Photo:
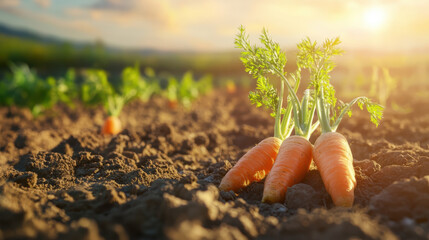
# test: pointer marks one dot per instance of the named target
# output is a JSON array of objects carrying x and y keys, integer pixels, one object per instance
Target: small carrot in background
[
  {"x": 96, "y": 89},
  {"x": 172, "y": 104},
  {"x": 332, "y": 153},
  {"x": 112, "y": 125},
  {"x": 230, "y": 87}
]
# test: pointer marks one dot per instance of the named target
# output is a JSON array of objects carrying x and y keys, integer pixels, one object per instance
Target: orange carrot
[
  {"x": 253, "y": 166},
  {"x": 334, "y": 161},
  {"x": 230, "y": 87},
  {"x": 291, "y": 165},
  {"x": 111, "y": 126},
  {"x": 172, "y": 104}
]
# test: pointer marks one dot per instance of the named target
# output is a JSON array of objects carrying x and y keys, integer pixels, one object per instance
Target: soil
[{"x": 158, "y": 178}]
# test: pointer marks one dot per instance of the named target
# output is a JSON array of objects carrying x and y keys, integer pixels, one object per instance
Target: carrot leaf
[
  {"x": 265, "y": 95},
  {"x": 375, "y": 110},
  {"x": 135, "y": 86},
  {"x": 269, "y": 60},
  {"x": 260, "y": 62},
  {"x": 318, "y": 60}
]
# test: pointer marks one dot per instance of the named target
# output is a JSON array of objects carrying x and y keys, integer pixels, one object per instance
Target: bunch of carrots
[{"x": 283, "y": 160}]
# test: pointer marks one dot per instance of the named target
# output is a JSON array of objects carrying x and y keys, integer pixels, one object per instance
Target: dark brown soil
[{"x": 157, "y": 179}]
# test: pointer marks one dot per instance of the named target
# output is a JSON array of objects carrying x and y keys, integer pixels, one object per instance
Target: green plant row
[{"x": 22, "y": 87}]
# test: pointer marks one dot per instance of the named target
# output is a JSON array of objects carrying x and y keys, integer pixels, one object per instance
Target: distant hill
[
  {"x": 30, "y": 35},
  {"x": 52, "y": 54},
  {"x": 52, "y": 40}
]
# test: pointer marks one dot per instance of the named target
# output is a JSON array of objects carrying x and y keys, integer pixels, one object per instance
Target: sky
[{"x": 210, "y": 25}]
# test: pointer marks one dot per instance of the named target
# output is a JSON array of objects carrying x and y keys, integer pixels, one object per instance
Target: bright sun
[{"x": 375, "y": 18}]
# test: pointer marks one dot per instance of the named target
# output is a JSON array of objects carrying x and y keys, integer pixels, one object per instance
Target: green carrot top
[
  {"x": 267, "y": 61},
  {"x": 318, "y": 61}
]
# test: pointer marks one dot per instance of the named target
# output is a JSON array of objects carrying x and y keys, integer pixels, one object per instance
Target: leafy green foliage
[
  {"x": 5, "y": 96},
  {"x": 24, "y": 88},
  {"x": 205, "y": 84},
  {"x": 269, "y": 60},
  {"x": 375, "y": 110},
  {"x": 133, "y": 84},
  {"x": 95, "y": 89},
  {"x": 265, "y": 95},
  {"x": 318, "y": 60},
  {"x": 188, "y": 89},
  {"x": 382, "y": 87},
  {"x": 66, "y": 89},
  {"x": 260, "y": 61},
  {"x": 172, "y": 89}
]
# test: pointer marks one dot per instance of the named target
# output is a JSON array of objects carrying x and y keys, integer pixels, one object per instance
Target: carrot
[
  {"x": 257, "y": 163},
  {"x": 112, "y": 125},
  {"x": 296, "y": 152},
  {"x": 333, "y": 156},
  {"x": 295, "y": 156},
  {"x": 332, "y": 153},
  {"x": 292, "y": 163},
  {"x": 172, "y": 104},
  {"x": 253, "y": 166},
  {"x": 230, "y": 87},
  {"x": 334, "y": 160}
]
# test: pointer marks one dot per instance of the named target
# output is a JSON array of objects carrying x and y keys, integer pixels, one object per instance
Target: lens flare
[{"x": 375, "y": 18}]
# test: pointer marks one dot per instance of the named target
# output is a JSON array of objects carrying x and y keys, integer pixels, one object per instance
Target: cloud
[
  {"x": 43, "y": 3},
  {"x": 116, "y": 5},
  {"x": 9, "y": 3},
  {"x": 212, "y": 24},
  {"x": 160, "y": 12}
]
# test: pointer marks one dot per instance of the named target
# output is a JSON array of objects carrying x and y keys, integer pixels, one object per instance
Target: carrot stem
[
  {"x": 277, "y": 128},
  {"x": 344, "y": 111},
  {"x": 286, "y": 128},
  {"x": 295, "y": 99},
  {"x": 322, "y": 112}
]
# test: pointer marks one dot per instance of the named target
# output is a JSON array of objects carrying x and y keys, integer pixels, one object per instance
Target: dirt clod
[
  {"x": 302, "y": 196},
  {"x": 407, "y": 198}
]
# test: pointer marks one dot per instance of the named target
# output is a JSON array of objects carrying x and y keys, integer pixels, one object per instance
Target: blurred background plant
[
  {"x": 22, "y": 87},
  {"x": 66, "y": 41},
  {"x": 187, "y": 89},
  {"x": 382, "y": 86}
]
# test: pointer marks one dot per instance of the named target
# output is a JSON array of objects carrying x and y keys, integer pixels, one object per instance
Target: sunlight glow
[{"x": 375, "y": 18}]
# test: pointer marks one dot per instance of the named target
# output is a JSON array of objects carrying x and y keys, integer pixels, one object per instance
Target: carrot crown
[
  {"x": 317, "y": 59},
  {"x": 269, "y": 60}
]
